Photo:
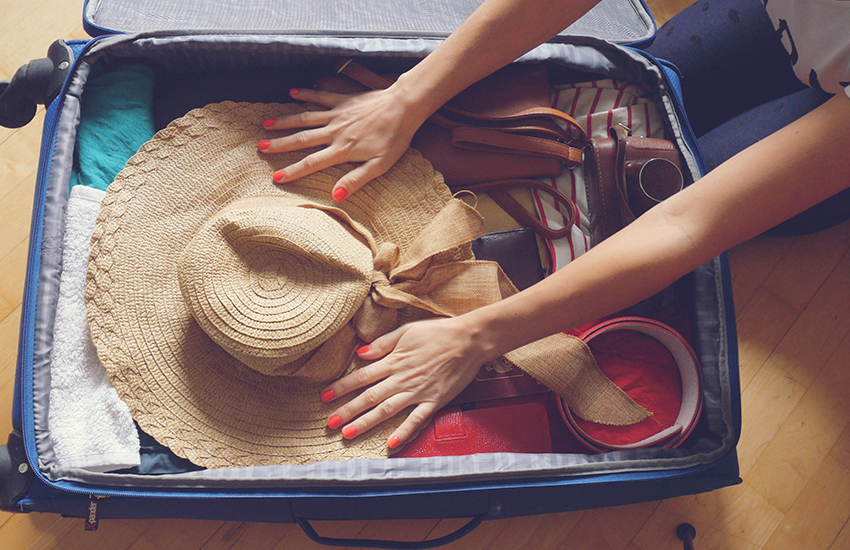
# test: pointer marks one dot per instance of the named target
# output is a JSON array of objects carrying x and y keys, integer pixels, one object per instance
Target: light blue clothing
[{"x": 116, "y": 118}]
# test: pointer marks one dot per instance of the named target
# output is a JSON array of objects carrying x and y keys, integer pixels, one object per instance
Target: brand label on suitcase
[{"x": 93, "y": 517}]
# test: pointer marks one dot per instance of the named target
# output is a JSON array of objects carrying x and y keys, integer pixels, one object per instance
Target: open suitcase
[{"x": 217, "y": 40}]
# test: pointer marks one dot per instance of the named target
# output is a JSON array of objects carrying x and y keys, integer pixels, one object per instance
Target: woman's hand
[
  {"x": 373, "y": 128},
  {"x": 376, "y": 127},
  {"x": 424, "y": 364}
]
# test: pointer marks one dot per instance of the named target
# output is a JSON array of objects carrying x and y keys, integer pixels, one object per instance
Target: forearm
[
  {"x": 769, "y": 182},
  {"x": 497, "y": 33}
]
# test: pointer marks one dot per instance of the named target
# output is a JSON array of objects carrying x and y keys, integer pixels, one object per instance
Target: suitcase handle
[
  {"x": 37, "y": 82},
  {"x": 399, "y": 545}
]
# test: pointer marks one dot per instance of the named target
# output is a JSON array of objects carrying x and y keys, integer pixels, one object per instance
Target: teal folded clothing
[{"x": 116, "y": 118}]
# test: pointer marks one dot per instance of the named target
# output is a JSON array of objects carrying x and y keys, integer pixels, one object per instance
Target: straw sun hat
[{"x": 221, "y": 304}]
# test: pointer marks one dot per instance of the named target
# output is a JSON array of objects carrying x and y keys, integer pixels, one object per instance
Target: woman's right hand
[
  {"x": 421, "y": 365},
  {"x": 372, "y": 128}
]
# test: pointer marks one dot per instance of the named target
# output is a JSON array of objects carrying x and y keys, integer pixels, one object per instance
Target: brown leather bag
[
  {"x": 496, "y": 134},
  {"x": 625, "y": 176},
  {"x": 500, "y": 128}
]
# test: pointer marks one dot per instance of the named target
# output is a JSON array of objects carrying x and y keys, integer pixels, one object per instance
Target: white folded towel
[{"x": 90, "y": 426}]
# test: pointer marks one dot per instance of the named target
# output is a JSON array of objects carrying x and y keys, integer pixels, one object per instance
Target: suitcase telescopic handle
[
  {"x": 396, "y": 545},
  {"x": 36, "y": 83}
]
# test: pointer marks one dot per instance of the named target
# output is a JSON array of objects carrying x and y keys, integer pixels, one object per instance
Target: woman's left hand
[
  {"x": 373, "y": 129},
  {"x": 423, "y": 364}
]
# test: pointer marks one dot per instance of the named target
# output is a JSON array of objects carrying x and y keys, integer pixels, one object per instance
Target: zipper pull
[{"x": 93, "y": 516}]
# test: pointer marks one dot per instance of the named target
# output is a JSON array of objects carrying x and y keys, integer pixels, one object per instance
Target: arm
[
  {"x": 784, "y": 174},
  {"x": 427, "y": 364},
  {"x": 376, "y": 128}
]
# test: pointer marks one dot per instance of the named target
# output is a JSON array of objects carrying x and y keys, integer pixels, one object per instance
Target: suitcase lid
[{"x": 618, "y": 21}]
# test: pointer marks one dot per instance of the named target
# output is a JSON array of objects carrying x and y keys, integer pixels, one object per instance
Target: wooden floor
[{"x": 793, "y": 308}]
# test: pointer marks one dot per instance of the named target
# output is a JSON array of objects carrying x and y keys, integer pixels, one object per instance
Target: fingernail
[
  {"x": 268, "y": 122},
  {"x": 349, "y": 432},
  {"x": 334, "y": 422},
  {"x": 263, "y": 145},
  {"x": 364, "y": 349},
  {"x": 294, "y": 92},
  {"x": 394, "y": 441},
  {"x": 277, "y": 176},
  {"x": 339, "y": 194},
  {"x": 327, "y": 395}
]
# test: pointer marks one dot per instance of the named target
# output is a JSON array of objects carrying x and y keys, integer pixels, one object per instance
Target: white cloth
[
  {"x": 816, "y": 35},
  {"x": 91, "y": 428}
]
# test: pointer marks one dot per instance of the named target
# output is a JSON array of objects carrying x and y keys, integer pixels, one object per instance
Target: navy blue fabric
[
  {"x": 739, "y": 132},
  {"x": 739, "y": 87},
  {"x": 156, "y": 458},
  {"x": 730, "y": 58}
]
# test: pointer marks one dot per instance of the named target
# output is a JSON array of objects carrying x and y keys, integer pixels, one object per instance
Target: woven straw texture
[{"x": 182, "y": 388}]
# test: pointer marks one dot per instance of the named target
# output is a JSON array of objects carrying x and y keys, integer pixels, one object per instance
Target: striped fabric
[{"x": 597, "y": 106}]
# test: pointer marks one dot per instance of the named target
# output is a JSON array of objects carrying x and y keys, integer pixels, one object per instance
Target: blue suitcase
[{"x": 482, "y": 487}]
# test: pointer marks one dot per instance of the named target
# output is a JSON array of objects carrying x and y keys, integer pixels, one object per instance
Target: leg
[
  {"x": 742, "y": 131},
  {"x": 730, "y": 57},
  {"x": 747, "y": 128},
  {"x": 739, "y": 87}
]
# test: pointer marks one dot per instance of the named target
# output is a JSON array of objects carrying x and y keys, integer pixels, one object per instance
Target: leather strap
[
  {"x": 535, "y": 113},
  {"x": 486, "y": 139},
  {"x": 536, "y": 126},
  {"x": 619, "y": 135},
  {"x": 364, "y": 76},
  {"x": 497, "y": 190}
]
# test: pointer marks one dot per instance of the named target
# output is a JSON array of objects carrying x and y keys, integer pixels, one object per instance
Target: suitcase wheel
[{"x": 16, "y": 476}]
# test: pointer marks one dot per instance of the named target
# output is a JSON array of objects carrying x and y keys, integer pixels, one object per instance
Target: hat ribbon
[{"x": 426, "y": 277}]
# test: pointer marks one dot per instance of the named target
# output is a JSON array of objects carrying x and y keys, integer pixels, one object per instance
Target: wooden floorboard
[{"x": 793, "y": 315}]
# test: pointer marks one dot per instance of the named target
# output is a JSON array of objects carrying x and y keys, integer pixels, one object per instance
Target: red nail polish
[
  {"x": 349, "y": 432},
  {"x": 327, "y": 395},
  {"x": 394, "y": 441},
  {"x": 268, "y": 122},
  {"x": 277, "y": 176},
  {"x": 263, "y": 145},
  {"x": 294, "y": 92},
  {"x": 334, "y": 422},
  {"x": 364, "y": 349},
  {"x": 339, "y": 194}
]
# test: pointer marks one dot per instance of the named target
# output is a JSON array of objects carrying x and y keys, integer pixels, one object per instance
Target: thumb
[{"x": 383, "y": 345}]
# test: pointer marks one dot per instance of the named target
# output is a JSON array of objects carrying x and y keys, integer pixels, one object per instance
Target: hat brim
[{"x": 182, "y": 388}]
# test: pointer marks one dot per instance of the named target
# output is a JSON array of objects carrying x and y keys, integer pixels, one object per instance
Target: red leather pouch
[{"x": 519, "y": 425}]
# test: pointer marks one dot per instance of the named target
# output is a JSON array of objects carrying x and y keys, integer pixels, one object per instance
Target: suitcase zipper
[{"x": 94, "y": 501}]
